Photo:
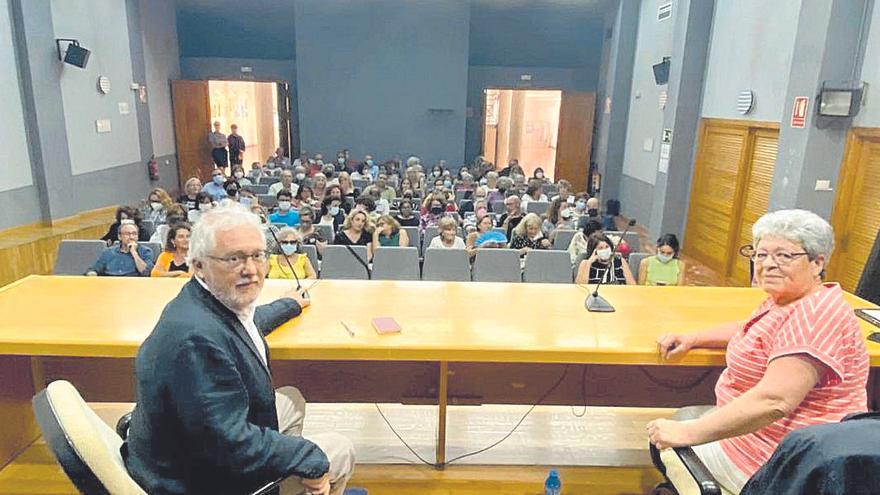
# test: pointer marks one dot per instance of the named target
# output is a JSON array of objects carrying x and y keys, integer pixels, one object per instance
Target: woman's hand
[
  {"x": 593, "y": 257},
  {"x": 675, "y": 346},
  {"x": 666, "y": 433},
  {"x": 545, "y": 243}
]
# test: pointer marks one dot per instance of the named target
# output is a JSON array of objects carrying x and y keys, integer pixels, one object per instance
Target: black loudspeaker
[
  {"x": 77, "y": 55},
  {"x": 869, "y": 284}
]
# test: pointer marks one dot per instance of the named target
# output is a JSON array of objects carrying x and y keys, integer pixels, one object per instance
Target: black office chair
[{"x": 685, "y": 473}]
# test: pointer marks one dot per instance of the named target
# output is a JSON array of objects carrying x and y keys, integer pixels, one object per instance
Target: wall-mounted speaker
[{"x": 74, "y": 54}]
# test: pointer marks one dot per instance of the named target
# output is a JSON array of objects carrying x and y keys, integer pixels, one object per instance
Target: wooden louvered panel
[
  {"x": 714, "y": 193},
  {"x": 762, "y": 162}
]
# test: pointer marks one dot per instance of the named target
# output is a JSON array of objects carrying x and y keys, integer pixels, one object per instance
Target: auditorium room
[{"x": 439, "y": 247}]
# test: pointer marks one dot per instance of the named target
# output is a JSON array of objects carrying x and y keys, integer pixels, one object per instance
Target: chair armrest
[
  {"x": 695, "y": 467},
  {"x": 122, "y": 425}
]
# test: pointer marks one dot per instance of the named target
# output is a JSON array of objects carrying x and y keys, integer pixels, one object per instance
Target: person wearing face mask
[
  {"x": 238, "y": 175},
  {"x": 587, "y": 209},
  {"x": 256, "y": 171},
  {"x": 332, "y": 213},
  {"x": 285, "y": 213},
  {"x": 539, "y": 175},
  {"x": 601, "y": 265},
  {"x": 406, "y": 217},
  {"x": 447, "y": 238},
  {"x": 339, "y": 165},
  {"x": 664, "y": 268},
  {"x": 558, "y": 216},
  {"x": 246, "y": 197},
  {"x": 308, "y": 234},
  {"x": 436, "y": 210},
  {"x": 215, "y": 188},
  {"x": 192, "y": 187},
  {"x": 156, "y": 207},
  {"x": 291, "y": 262},
  {"x": 527, "y": 235},
  {"x": 203, "y": 204}
]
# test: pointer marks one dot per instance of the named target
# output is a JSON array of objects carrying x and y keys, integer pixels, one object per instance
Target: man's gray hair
[
  {"x": 799, "y": 226},
  {"x": 413, "y": 160},
  {"x": 504, "y": 183},
  {"x": 228, "y": 215},
  {"x": 492, "y": 175}
]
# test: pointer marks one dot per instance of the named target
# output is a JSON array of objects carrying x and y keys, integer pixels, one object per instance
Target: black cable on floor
[
  {"x": 675, "y": 386},
  {"x": 583, "y": 393},
  {"x": 495, "y": 444}
]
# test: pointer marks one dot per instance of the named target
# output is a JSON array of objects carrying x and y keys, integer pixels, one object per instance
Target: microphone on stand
[
  {"x": 286, "y": 257},
  {"x": 594, "y": 302}
]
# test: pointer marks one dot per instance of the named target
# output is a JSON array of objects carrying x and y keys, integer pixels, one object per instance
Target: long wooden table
[{"x": 464, "y": 343}]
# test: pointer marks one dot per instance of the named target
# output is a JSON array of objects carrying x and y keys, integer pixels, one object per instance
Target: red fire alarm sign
[{"x": 799, "y": 112}]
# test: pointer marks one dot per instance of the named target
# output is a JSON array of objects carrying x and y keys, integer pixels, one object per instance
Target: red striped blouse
[{"x": 821, "y": 325}]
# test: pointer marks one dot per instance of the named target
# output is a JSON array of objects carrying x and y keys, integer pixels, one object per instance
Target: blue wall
[{"x": 383, "y": 76}]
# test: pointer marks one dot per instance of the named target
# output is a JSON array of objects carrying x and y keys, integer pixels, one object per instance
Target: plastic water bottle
[{"x": 553, "y": 485}]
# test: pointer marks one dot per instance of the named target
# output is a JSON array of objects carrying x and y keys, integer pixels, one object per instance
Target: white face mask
[
  {"x": 284, "y": 205},
  {"x": 192, "y": 215},
  {"x": 604, "y": 254},
  {"x": 664, "y": 258},
  {"x": 239, "y": 175},
  {"x": 300, "y": 176},
  {"x": 206, "y": 206},
  {"x": 566, "y": 214},
  {"x": 155, "y": 205},
  {"x": 539, "y": 175}
]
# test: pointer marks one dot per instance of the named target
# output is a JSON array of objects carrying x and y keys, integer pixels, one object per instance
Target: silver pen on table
[{"x": 347, "y": 329}]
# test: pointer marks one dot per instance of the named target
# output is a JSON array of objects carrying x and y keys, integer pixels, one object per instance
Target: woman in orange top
[{"x": 172, "y": 261}]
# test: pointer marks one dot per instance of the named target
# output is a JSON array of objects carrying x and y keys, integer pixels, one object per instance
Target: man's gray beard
[{"x": 229, "y": 300}]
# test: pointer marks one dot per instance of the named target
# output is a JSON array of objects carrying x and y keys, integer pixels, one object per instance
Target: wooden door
[
  {"x": 575, "y": 138},
  {"x": 192, "y": 123},
  {"x": 856, "y": 215},
  {"x": 733, "y": 174},
  {"x": 756, "y": 198}
]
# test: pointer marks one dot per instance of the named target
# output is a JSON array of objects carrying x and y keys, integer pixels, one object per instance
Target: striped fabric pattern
[{"x": 821, "y": 325}]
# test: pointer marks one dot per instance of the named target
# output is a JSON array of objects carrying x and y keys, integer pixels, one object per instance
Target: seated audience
[
  {"x": 519, "y": 183},
  {"x": 256, "y": 172},
  {"x": 509, "y": 220},
  {"x": 389, "y": 234},
  {"x": 319, "y": 186},
  {"x": 591, "y": 212},
  {"x": 406, "y": 217},
  {"x": 126, "y": 259},
  {"x": 602, "y": 265},
  {"x": 558, "y": 216},
  {"x": 361, "y": 172},
  {"x": 215, "y": 188},
  {"x": 416, "y": 179},
  {"x": 345, "y": 186},
  {"x": 436, "y": 209},
  {"x": 292, "y": 262},
  {"x": 125, "y": 214},
  {"x": 466, "y": 183},
  {"x": 203, "y": 204},
  {"x": 799, "y": 359},
  {"x": 539, "y": 175},
  {"x": 504, "y": 185},
  {"x": 478, "y": 238},
  {"x": 664, "y": 268},
  {"x": 176, "y": 214},
  {"x": 447, "y": 237},
  {"x": 172, "y": 262},
  {"x": 332, "y": 213},
  {"x": 285, "y": 213},
  {"x": 381, "y": 188},
  {"x": 232, "y": 189},
  {"x": 527, "y": 235},
  {"x": 238, "y": 175},
  {"x": 490, "y": 180},
  {"x": 564, "y": 191},
  {"x": 156, "y": 208},
  {"x": 304, "y": 197},
  {"x": 578, "y": 244},
  {"x": 534, "y": 192},
  {"x": 406, "y": 187},
  {"x": 246, "y": 197},
  {"x": 308, "y": 234},
  {"x": 192, "y": 187},
  {"x": 355, "y": 232},
  {"x": 285, "y": 184}
]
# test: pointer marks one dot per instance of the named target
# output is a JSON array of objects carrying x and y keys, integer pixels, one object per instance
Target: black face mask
[
  {"x": 436, "y": 210},
  {"x": 593, "y": 212}
]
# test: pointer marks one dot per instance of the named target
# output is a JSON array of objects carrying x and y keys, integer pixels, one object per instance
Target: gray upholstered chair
[
  {"x": 547, "y": 267},
  {"x": 339, "y": 263},
  {"x": 497, "y": 265},
  {"x": 396, "y": 263},
  {"x": 76, "y": 256},
  {"x": 450, "y": 265}
]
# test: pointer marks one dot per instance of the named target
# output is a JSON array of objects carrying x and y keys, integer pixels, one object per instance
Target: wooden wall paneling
[{"x": 856, "y": 214}]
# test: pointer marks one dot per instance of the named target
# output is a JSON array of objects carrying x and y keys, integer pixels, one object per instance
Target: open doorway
[
  {"x": 522, "y": 124},
  {"x": 253, "y": 107}
]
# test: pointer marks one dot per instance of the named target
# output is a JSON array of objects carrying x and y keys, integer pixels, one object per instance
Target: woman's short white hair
[
  {"x": 229, "y": 214},
  {"x": 413, "y": 160},
  {"x": 803, "y": 227},
  {"x": 530, "y": 219},
  {"x": 492, "y": 175}
]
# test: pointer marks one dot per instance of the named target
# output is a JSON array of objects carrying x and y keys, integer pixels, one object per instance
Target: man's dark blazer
[{"x": 205, "y": 420}]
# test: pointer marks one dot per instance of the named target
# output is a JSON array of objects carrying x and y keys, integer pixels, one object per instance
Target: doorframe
[
  {"x": 293, "y": 137},
  {"x": 507, "y": 88}
]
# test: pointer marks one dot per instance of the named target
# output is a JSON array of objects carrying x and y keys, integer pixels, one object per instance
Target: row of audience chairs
[{"x": 76, "y": 256}]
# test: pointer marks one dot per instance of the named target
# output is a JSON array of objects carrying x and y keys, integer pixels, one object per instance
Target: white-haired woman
[
  {"x": 291, "y": 262},
  {"x": 799, "y": 360},
  {"x": 527, "y": 235}
]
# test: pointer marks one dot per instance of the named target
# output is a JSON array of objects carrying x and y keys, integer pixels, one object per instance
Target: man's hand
[
  {"x": 298, "y": 296},
  {"x": 133, "y": 247},
  {"x": 320, "y": 486}
]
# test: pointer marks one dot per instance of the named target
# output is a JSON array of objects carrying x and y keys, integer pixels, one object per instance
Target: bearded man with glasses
[{"x": 208, "y": 419}]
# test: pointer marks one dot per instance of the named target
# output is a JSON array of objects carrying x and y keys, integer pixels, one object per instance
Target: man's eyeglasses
[
  {"x": 781, "y": 258},
  {"x": 236, "y": 260}
]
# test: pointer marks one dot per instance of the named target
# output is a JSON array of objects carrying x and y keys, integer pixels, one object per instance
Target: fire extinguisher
[
  {"x": 153, "y": 168},
  {"x": 595, "y": 185}
]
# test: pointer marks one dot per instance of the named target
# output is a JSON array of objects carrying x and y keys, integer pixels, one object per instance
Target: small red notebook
[{"x": 385, "y": 325}]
